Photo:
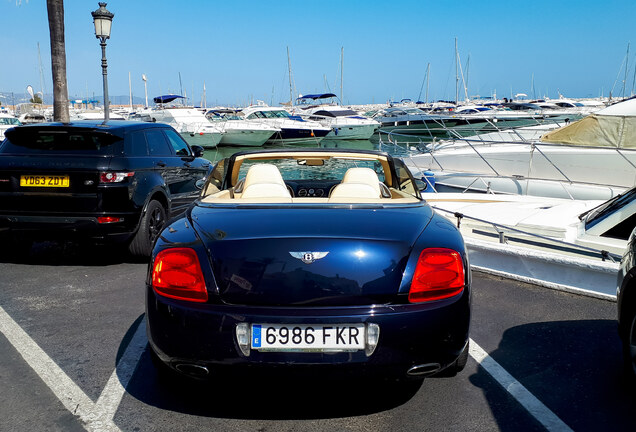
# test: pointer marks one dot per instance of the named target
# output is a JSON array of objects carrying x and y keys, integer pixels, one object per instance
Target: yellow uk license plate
[{"x": 44, "y": 181}]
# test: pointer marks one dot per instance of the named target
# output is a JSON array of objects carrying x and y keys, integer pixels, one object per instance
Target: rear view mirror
[{"x": 311, "y": 162}]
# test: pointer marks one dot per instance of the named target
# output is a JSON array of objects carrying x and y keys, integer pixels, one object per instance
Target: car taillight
[
  {"x": 114, "y": 177},
  {"x": 108, "y": 219},
  {"x": 177, "y": 274},
  {"x": 439, "y": 274}
]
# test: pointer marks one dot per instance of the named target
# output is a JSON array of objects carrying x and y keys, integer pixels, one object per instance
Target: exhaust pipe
[
  {"x": 192, "y": 369},
  {"x": 424, "y": 369}
]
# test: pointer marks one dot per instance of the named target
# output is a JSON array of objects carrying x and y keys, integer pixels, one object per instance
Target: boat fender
[{"x": 429, "y": 178}]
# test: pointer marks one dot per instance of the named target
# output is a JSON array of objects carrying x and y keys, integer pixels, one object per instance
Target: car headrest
[
  {"x": 363, "y": 175},
  {"x": 263, "y": 173},
  {"x": 354, "y": 190}
]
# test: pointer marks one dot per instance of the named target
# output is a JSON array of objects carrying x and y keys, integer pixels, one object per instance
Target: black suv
[{"x": 118, "y": 181}]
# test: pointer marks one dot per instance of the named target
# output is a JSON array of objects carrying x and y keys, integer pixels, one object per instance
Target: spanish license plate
[
  {"x": 44, "y": 181},
  {"x": 321, "y": 337}
]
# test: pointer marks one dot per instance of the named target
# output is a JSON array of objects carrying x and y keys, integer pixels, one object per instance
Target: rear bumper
[
  {"x": 52, "y": 226},
  {"x": 205, "y": 335}
]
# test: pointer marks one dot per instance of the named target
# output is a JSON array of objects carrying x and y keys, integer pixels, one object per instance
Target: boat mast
[
  {"x": 419, "y": 96},
  {"x": 143, "y": 77},
  {"x": 341, "y": 72},
  {"x": 181, "y": 89},
  {"x": 626, "y": 68},
  {"x": 532, "y": 86},
  {"x": 130, "y": 91},
  {"x": 204, "y": 102},
  {"x": 456, "y": 73},
  {"x": 466, "y": 81},
  {"x": 291, "y": 90}
]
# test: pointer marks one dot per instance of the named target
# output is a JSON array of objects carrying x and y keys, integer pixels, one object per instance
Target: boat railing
[
  {"x": 501, "y": 231},
  {"x": 474, "y": 129}
]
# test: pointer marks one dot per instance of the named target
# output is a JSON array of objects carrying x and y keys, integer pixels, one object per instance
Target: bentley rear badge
[{"x": 308, "y": 257}]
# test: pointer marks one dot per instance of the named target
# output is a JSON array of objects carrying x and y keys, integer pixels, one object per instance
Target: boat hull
[
  {"x": 205, "y": 140},
  {"x": 298, "y": 136},
  {"x": 245, "y": 137},
  {"x": 351, "y": 132}
]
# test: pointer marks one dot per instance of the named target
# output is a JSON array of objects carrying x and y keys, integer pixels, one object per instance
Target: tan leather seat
[
  {"x": 345, "y": 191},
  {"x": 264, "y": 181},
  {"x": 358, "y": 185}
]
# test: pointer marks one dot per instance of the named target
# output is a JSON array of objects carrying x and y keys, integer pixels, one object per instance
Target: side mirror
[
  {"x": 197, "y": 150},
  {"x": 199, "y": 184}
]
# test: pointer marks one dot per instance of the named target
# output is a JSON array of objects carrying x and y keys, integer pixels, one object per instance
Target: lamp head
[{"x": 103, "y": 20}]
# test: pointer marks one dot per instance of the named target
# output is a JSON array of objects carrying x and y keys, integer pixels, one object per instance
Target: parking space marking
[
  {"x": 111, "y": 396},
  {"x": 99, "y": 416},
  {"x": 95, "y": 416},
  {"x": 533, "y": 405}
]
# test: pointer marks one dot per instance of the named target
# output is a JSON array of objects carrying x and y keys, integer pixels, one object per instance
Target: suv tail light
[
  {"x": 439, "y": 274},
  {"x": 114, "y": 177},
  {"x": 177, "y": 274}
]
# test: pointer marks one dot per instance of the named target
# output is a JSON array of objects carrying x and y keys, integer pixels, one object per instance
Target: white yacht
[
  {"x": 95, "y": 115},
  {"x": 190, "y": 122},
  {"x": 593, "y": 158},
  {"x": 344, "y": 123},
  {"x": 293, "y": 129},
  {"x": 237, "y": 131},
  {"x": 565, "y": 244},
  {"x": 7, "y": 121},
  {"x": 414, "y": 121}
]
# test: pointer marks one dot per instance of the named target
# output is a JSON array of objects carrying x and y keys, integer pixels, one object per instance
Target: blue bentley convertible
[{"x": 320, "y": 258}]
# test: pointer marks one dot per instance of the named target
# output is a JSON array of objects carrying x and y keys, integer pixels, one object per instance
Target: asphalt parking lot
[{"x": 73, "y": 357}]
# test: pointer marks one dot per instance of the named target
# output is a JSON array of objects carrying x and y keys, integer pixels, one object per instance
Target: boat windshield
[
  {"x": 4, "y": 121},
  {"x": 608, "y": 208},
  {"x": 269, "y": 114}
]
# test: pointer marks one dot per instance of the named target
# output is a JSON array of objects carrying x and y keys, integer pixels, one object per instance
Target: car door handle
[
  {"x": 187, "y": 164},
  {"x": 161, "y": 164}
]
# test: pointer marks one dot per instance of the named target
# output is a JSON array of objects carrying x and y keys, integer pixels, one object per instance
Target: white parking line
[
  {"x": 112, "y": 394},
  {"x": 95, "y": 416},
  {"x": 534, "y": 406},
  {"x": 99, "y": 416}
]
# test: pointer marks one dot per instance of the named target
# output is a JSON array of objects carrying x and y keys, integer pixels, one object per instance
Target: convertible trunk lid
[{"x": 309, "y": 256}]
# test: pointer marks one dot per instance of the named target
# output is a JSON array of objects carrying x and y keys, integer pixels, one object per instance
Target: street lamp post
[{"x": 103, "y": 20}]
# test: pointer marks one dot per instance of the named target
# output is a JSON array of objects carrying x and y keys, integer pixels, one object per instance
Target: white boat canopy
[{"x": 614, "y": 126}]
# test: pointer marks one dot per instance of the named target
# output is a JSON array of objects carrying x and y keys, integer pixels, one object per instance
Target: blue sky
[{"x": 238, "y": 48}]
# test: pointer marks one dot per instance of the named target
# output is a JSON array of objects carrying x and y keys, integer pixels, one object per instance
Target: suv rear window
[{"x": 63, "y": 141}]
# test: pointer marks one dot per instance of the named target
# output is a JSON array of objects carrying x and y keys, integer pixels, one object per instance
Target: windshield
[{"x": 332, "y": 169}]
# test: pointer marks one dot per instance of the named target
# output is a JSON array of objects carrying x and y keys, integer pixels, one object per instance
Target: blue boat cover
[
  {"x": 166, "y": 98},
  {"x": 317, "y": 96}
]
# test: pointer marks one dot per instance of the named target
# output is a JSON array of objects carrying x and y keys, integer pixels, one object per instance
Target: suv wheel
[{"x": 152, "y": 222}]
